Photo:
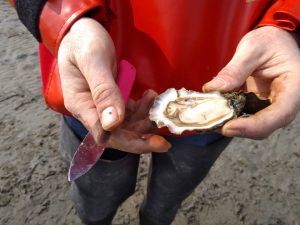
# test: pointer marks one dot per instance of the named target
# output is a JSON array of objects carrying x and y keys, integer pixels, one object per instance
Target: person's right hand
[{"x": 88, "y": 67}]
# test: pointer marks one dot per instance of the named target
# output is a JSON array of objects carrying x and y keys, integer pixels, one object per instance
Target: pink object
[
  {"x": 125, "y": 79},
  {"x": 88, "y": 152}
]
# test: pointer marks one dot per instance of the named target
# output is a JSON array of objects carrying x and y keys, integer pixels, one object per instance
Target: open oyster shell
[{"x": 184, "y": 110}]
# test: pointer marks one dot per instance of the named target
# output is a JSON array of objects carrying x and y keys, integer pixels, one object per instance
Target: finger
[
  {"x": 247, "y": 58},
  {"x": 130, "y": 108},
  {"x": 144, "y": 105},
  {"x": 142, "y": 126},
  {"x": 132, "y": 142},
  {"x": 263, "y": 123},
  {"x": 285, "y": 105}
]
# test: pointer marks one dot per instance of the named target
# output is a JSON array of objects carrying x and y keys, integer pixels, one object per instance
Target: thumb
[
  {"x": 245, "y": 61},
  {"x": 107, "y": 99}
]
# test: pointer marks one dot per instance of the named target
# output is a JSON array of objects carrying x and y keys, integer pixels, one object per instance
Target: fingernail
[
  {"x": 109, "y": 118},
  {"x": 214, "y": 85}
]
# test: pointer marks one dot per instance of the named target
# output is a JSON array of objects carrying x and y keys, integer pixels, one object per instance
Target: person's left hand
[{"x": 267, "y": 61}]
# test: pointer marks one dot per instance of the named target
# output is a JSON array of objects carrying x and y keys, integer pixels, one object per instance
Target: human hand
[
  {"x": 267, "y": 62},
  {"x": 135, "y": 133},
  {"x": 88, "y": 67}
]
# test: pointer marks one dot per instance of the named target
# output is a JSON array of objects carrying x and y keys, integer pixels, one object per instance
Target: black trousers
[{"x": 172, "y": 177}]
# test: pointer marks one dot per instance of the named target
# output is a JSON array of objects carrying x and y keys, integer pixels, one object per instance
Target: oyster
[{"x": 184, "y": 110}]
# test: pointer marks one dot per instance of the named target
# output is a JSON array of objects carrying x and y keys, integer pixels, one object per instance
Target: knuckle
[
  {"x": 257, "y": 134},
  {"x": 229, "y": 71},
  {"x": 104, "y": 93},
  {"x": 243, "y": 132},
  {"x": 254, "y": 132},
  {"x": 250, "y": 43}
]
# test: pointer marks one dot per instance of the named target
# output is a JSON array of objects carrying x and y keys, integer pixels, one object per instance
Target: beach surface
[{"x": 252, "y": 183}]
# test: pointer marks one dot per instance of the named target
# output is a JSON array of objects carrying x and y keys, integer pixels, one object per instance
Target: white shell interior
[{"x": 209, "y": 111}]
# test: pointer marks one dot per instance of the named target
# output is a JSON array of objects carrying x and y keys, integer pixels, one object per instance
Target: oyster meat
[{"x": 184, "y": 110}]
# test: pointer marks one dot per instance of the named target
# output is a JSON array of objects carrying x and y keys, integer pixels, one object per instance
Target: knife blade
[{"x": 88, "y": 152}]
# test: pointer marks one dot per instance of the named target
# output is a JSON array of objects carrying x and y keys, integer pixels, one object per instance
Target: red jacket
[{"x": 171, "y": 43}]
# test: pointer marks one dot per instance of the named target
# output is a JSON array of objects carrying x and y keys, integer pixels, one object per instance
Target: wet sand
[{"x": 252, "y": 183}]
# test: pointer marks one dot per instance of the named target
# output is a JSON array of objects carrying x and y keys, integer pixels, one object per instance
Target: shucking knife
[{"x": 88, "y": 152}]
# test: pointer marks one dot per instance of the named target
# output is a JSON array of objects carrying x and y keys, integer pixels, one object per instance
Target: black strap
[{"x": 29, "y": 13}]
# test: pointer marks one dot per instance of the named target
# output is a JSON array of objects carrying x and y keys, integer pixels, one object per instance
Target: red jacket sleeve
[
  {"x": 284, "y": 14},
  {"x": 59, "y": 15}
]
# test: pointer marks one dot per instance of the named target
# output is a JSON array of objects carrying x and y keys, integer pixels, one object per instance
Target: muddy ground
[{"x": 253, "y": 182}]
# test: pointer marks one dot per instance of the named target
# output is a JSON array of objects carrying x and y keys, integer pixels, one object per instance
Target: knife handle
[{"x": 125, "y": 79}]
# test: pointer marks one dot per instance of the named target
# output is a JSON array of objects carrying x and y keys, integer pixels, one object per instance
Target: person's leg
[
  {"x": 173, "y": 177},
  {"x": 98, "y": 193}
]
